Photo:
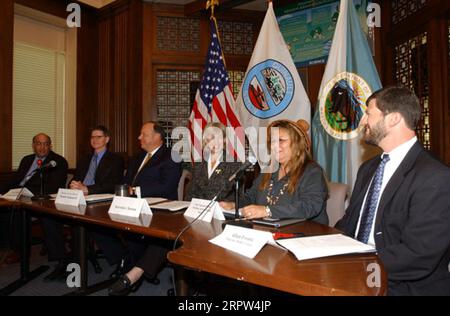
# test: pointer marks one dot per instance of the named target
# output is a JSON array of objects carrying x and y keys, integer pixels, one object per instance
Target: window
[
  {"x": 44, "y": 83},
  {"x": 38, "y": 98}
]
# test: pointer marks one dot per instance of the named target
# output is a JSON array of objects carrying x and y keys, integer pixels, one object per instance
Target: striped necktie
[
  {"x": 371, "y": 204},
  {"x": 89, "y": 179}
]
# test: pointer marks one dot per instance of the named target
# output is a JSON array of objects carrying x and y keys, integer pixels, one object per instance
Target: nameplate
[
  {"x": 198, "y": 206},
  {"x": 129, "y": 207},
  {"x": 244, "y": 241},
  {"x": 70, "y": 197},
  {"x": 80, "y": 209},
  {"x": 16, "y": 194}
]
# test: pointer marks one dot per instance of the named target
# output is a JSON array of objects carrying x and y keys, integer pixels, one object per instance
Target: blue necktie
[
  {"x": 90, "y": 175},
  {"x": 370, "y": 207},
  {"x": 30, "y": 172}
]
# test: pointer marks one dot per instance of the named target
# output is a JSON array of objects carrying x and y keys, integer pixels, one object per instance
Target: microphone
[
  {"x": 251, "y": 162},
  {"x": 50, "y": 164},
  {"x": 40, "y": 169}
]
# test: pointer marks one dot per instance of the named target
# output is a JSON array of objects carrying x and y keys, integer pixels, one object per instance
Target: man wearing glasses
[{"x": 101, "y": 170}]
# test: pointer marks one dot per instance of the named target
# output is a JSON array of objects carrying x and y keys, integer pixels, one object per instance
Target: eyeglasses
[
  {"x": 96, "y": 137},
  {"x": 46, "y": 144}
]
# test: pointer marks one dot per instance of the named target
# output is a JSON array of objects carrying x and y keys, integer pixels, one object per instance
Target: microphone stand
[
  {"x": 41, "y": 196},
  {"x": 237, "y": 221}
]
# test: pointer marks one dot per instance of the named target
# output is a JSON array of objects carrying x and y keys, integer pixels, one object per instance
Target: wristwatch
[{"x": 268, "y": 212}]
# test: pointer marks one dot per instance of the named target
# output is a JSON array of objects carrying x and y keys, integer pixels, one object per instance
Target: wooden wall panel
[
  {"x": 432, "y": 19},
  {"x": 87, "y": 78},
  {"x": 437, "y": 65},
  {"x": 120, "y": 73},
  {"x": 6, "y": 77},
  {"x": 105, "y": 67},
  {"x": 134, "y": 75},
  {"x": 120, "y": 115}
]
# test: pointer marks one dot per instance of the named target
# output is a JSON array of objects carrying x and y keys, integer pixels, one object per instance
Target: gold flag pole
[{"x": 212, "y": 4}]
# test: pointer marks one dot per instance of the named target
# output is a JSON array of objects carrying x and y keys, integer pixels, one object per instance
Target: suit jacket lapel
[
  {"x": 135, "y": 175},
  {"x": 366, "y": 182},
  {"x": 102, "y": 165},
  {"x": 396, "y": 180}
]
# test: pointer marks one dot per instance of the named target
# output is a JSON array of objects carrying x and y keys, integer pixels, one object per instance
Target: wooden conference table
[{"x": 272, "y": 267}]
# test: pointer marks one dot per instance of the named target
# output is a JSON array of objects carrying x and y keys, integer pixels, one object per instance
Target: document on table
[
  {"x": 154, "y": 200},
  {"x": 172, "y": 205},
  {"x": 323, "y": 246},
  {"x": 96, "y": 198}
]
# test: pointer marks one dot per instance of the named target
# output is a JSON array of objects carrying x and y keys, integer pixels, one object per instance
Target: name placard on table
[
  {"x": 197, "y": 206},
  {"x": 15, "y": 194},
  {"x": 70, "y": 197},
  {"x": 244, "y": 241},
  {"x": 129, "y": 210}
]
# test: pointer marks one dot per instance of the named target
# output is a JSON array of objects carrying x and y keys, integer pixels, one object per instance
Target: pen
[{"x": 286, "y": 235}]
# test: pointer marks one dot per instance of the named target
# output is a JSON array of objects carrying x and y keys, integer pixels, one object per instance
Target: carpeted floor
[{"x": 36, "y": 287}]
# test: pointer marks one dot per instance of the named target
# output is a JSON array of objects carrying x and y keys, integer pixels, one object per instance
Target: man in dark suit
[
  {"x": 101, "y": 170},
  {"x": 157, "y": 175},
  {"x": 96, "y": 173},
  {"x": 401, "y": 201},
  {"x": 53, "y": 178},
  {"x": 153, "y": 169}
]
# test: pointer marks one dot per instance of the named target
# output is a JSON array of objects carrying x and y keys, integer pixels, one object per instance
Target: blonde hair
[
  {"x": 300, "y": 147},
  {"x": 211, "y": 128}
]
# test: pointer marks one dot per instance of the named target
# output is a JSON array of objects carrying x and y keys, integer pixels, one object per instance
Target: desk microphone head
[{"x": 50, "y": 164}]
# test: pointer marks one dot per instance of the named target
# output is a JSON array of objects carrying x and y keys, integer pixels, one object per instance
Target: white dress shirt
[
  {"x": 211, "y": 168},
  {"x": 396, "y": 156},
  {"x": 145, "y": 158}
]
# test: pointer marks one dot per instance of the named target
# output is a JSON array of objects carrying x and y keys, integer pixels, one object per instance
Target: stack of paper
[
  {"x": 323, "y": 246},
  {"x": 16, "y": 194},
  {"x": 96, "y": 198},
  {"x": 172, "y": 205},
  {"x": 154, "y": 200}
]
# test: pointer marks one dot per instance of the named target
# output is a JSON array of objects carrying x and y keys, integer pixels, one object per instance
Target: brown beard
[{"x": 374, "y": 135}]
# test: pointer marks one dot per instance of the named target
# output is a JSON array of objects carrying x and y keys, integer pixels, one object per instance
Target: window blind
[{"x": 38, "y": 98}]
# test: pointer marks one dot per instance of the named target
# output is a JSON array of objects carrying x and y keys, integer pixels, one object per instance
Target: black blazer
[
  {"x": 159, "y": 177},
  {"x": 206, "y": 188},
  {"x": 412, "y": 226},
  {"x": 54, "y": 178},
  {"x": 109, "y": 172}
]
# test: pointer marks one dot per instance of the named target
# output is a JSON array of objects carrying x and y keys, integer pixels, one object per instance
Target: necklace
[{"x": 273, "y": 197}]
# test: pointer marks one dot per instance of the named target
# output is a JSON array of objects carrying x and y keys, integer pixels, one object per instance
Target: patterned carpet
[{"x": 10, "y": 272}]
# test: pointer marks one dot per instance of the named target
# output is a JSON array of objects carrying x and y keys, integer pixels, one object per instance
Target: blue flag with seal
[{"x": 350, "y": 78}]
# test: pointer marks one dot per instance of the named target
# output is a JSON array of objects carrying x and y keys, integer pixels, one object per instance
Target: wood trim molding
[{"x": 6, "y": 79}]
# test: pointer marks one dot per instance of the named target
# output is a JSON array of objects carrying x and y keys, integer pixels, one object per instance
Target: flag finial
[{"x": 211, "y": 4}]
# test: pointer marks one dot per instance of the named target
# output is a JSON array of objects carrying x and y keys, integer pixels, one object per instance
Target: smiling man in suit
[
  {"x": 401, "y": 200},
  {"x": 54, "y": 177},
  {"x": 101, "y": 170},
  {"x": 157, "y": 175},
  {"x": 153, "y": 169}
]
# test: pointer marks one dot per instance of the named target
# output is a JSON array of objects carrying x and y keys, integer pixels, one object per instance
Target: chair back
[
  {"x": 186, "y": 177},
  {"x": 336, "y": 202}
]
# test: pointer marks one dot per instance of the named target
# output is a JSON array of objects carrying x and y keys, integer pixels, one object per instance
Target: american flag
[{"x": 214, "y": 102}]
